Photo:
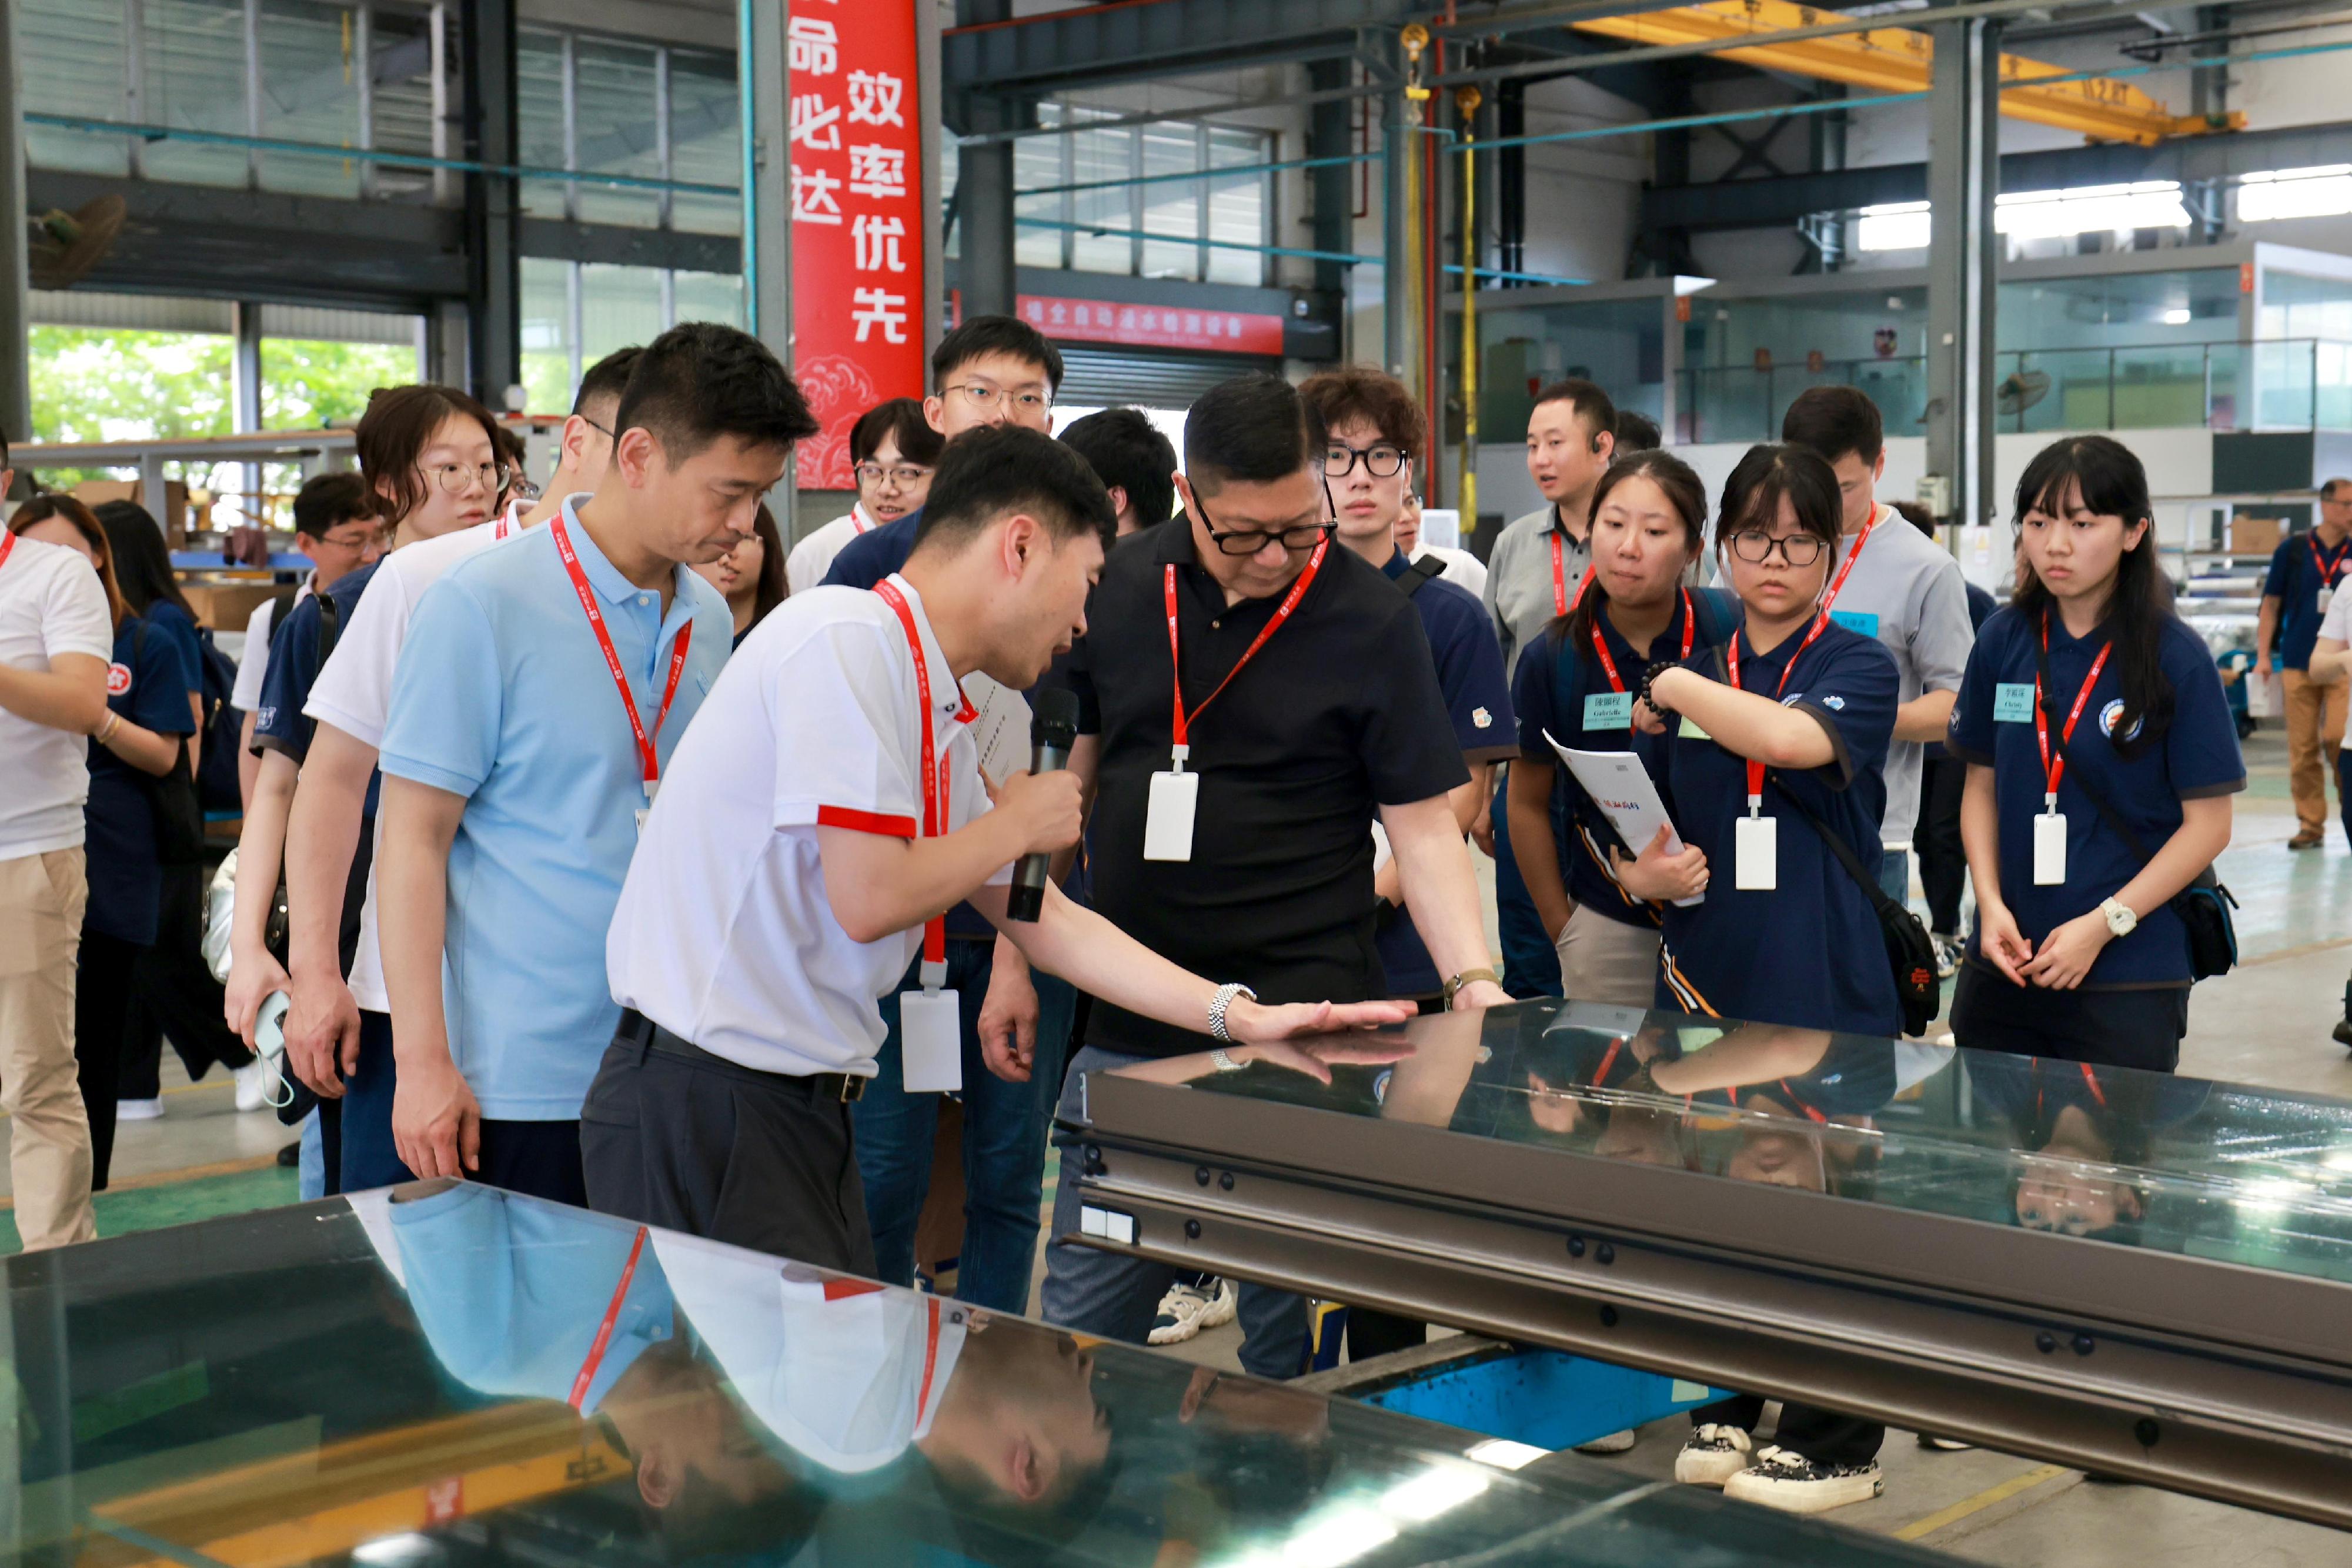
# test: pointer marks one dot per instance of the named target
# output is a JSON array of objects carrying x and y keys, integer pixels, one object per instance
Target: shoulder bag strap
[
  {"x": 1416, "y": 576},
  {"x": 1838, "y": 848}
]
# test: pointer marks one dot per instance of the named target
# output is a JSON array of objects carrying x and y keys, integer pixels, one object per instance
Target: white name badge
[
  {"x": 642, "y": 813},
  {"x": 1168, "y": 817},
  {"x": 2049, "y": 850},
  {"x": 1756, "y": 854},
  {"x": 931, "y": 1042},
  {"x": 2326, "y": 597}
]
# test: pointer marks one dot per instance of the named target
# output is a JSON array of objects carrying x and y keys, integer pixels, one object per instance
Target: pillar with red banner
[{"x": 860, "y": 230}]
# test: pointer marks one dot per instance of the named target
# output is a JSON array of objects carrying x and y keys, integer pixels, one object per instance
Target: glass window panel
[
  {"x": 619, "y": 131},
  {"x": 76, "y": 64},
  {"x": 618, "y": 306},
  {"x": 194, "y": 55},
  {"x": 1037, "y": 161},
  {"x": 539, "y": 112},
  {"x": 709, "y": 297},
  {"x": 1107, "y": 154},
  {"x": 401, "y": 49},
  {"x": 1237, "y": 206},
  {"x": 307, "y": 384},
  {"x": 705, "y": 141},
  {"x": 310, "y": 53},
  {"x": 1171, "y": 207},
  {"x": 547, "y": 332}
]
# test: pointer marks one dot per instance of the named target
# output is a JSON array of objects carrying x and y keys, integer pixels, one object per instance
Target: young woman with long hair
[
  {"x": 2087, "y": 703},
  {"x": 1575, "y": 684},
  {"x": 752, "y": 575}
]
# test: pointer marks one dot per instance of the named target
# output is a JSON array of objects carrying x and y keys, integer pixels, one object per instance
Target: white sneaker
[
  {"x": 1613, "y": 1443},
  {"x": 1795, "y": 1484},
  {"x": 1712, "y": 1454},
  {"x": 1187, "y": 1309},
  {"x": 258, "y": 1084},
  {"x": 138, "y": 1110}
]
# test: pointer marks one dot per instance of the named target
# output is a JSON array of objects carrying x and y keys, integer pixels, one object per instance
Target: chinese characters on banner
[
  {"x": 857, "y": 228},
  {"x": 1155, "y": 327}
]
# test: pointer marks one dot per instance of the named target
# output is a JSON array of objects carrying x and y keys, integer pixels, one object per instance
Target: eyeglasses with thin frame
[
  {"x": 1249, "y": 541},
  {"x": 988, "y": 397},
  {"x": 904, "y": 476},
  {"x": 1755, "y": 546},
  {"x": 598, "y": 428},
  {"x": 1381, "y": 459},
  {"x": 456, "y": 478}
]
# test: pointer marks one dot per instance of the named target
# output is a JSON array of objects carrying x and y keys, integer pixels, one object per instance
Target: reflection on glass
[
  {"x": 2177, "y": 1165},
  {"x": 470, "y": 1377}
]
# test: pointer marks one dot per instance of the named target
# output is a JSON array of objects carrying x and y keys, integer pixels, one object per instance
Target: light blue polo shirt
[{"x": 501, "y": 695}]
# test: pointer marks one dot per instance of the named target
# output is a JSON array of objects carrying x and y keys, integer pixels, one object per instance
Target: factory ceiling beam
[
  {"x": 1095, "y": 46},
  {"x": 1775, "y": 202}
]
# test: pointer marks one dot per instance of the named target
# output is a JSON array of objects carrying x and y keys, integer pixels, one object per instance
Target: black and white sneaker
[
  {"x": 1795, "y": 1484},
  {"x": 1712, "y": 1454},
  {"x": 1949, "y": 951}
]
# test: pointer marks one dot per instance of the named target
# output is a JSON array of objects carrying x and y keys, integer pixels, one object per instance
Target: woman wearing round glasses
[
  {"x": 1789, "y": 719},
  {"x": 893, "y": 449}
]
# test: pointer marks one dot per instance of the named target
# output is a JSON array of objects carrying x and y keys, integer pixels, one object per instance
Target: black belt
[{"x": 650, "y": 1037}]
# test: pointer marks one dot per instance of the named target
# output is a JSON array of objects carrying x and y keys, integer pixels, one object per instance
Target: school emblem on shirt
[
  {"x": 1481, "y": 718},
  {"x": 2112, "y": 715},
  {"x": 1835, "y": 704},
  {"x": 118, "y": 679}
]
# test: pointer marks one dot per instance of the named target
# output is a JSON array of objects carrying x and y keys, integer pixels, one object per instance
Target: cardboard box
[
  {"x": 227, "y": 606},
  {"x": 2256, "y": 536},
  {"x": 98, "y": 492}
]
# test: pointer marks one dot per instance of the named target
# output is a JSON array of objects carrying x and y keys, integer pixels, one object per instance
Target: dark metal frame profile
[{"x": 2202, "y": 1376}]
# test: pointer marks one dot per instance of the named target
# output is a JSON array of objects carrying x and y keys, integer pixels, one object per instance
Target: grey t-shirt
[
  {"x": 1906, "y": 590},
  {"x": 1521, "y": 597}
]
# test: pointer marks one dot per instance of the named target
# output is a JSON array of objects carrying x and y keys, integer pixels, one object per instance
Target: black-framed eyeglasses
[
  {"x": 1381, "y": 459},
  {"x": 1755, "y": 546},
  {"x": 1249, "y": 541}
]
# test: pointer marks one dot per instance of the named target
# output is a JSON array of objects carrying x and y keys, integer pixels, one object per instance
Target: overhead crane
[{"x": 1902, "y": 59}]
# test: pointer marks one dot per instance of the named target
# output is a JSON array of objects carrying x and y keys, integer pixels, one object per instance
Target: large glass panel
[
  {"x": 400, "y": 49},
  {"x": 705, "y": 144},
  {"x": 1619, "y": 343},
  {"x": 77, "y": 65},
  {"x": 618, "y": 306},
  {"x": 309, "y": 51},
  {"x": 1237, "y": 206},
  {"x": 539, "y": 114},
  {"x": 546, "y": 347},
  {"x": 1040, "y": 161},
  {"x": 2284, "y": 390},
  {"x": 306, "y": 383},
  {"x": 2119, "y": 309},
  {"x": 619, "y": 131},
  {"x": 2297, "y": 305},
  {"x": 1172, "y": 206},
  {"x": 466, "y": 1377},
  {"x": 1096, "y": 155},
  {"x": 709, "y": 296},
  {"x": 193, "y": 79}
]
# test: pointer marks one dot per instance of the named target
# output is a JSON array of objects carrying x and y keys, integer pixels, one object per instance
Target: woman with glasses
[
  {"x": 894, "y": 449},
  {"x": 1773, "y": 741}
]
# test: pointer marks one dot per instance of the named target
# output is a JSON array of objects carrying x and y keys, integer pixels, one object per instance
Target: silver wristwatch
[{"x": 1220, "y": 1002}]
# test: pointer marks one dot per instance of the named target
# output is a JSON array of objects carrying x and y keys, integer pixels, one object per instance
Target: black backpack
[{"x": 217, "y": 783}]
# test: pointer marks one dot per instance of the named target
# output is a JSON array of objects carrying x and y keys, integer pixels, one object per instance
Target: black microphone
[{"x": 1050, "y": 734}]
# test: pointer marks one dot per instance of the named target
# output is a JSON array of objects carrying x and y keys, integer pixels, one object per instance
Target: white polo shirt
[
  {"x": 723, "y": 935},
  {"x": 253, "y": 661},
  {"x": 812, "y": 557},
  {"x": 51, "y": 603},
  {"x": 353, "y": 691}
]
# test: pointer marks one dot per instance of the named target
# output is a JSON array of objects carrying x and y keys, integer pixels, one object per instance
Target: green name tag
[
  {"x": 1608, "y": 710},
  {"x": 1691, "y": 731},
  {"x": 2012, "y": 702}
]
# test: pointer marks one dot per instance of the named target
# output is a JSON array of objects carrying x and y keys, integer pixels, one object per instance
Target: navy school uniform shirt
[
  {"x": 1810, "y": 953},
  {"x": 148, "y": 682},
  {"x": 2300, "y": 568},
  {"x": 1992, "y": 727},
  {"x": 295, "y": 660},
  {"x": 1478, "y": 701},
  {"x": 1558, "y": 678},
  {"x": 875, "y": 553}
]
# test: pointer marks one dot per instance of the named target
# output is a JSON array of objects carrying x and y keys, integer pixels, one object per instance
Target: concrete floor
[{"x": 2267, "y": 1023}]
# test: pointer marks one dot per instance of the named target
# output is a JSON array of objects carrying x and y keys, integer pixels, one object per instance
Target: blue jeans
[
  {"x": 1116, "y": 1297},
  {"x": 1530, "y": 963},
  {"x": 1004, "y": 1141},
  {"x": 1894, "y": 875}
]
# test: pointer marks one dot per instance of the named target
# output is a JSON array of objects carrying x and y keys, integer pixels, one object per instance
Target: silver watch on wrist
[{"x": 1219, "y": 1003}]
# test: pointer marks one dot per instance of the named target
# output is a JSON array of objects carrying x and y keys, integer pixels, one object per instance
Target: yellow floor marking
[
  {"x": 164, "y": 1179},
  {"x": 1983, "y": 1499}
]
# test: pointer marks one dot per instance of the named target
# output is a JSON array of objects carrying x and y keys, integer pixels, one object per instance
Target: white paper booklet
[{"x": 1621, "y": 787}]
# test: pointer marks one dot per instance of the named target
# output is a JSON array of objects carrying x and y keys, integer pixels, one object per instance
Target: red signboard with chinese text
[
  {"x": 858, "y": 222},
  {"x": 1152, "y": 326}
]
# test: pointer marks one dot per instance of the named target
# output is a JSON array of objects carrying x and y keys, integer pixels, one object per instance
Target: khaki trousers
[
  {"x": 41, "y": 900},
  {"x": 2314, "y": 728},
  {"x": 1605, "y": 961}
]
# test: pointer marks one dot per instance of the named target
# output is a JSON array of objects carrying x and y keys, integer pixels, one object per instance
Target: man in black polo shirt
[{"x": 1242, "y": 845}]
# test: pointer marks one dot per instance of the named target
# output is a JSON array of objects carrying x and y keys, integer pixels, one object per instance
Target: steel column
[
  {"x": 985, "y": 184},
  {"x": 493, "y": 203},
  {"x": 16, "y": 390},
  {"x": 1963, "y": 174},
  {"x": 1330, "y": 133},
  {"x": 246, "y": 386},
  {"x": 1399, "y": 295}
]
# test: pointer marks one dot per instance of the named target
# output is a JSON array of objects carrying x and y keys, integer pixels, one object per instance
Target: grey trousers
[{"x": 1113, "y": 1297}]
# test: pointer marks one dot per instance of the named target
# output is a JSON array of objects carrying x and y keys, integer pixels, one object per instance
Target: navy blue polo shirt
[
  {"x": 875, "y": 553},
  {"x": 1478, "y": 701},
  {"x": 1808, "y": 954},
  {"x": 2299, "y": 568},
  {"x": 295, "y": 659},
  {"x": 1557, "y": 676},
  {"x": 148, "y": 682},
  {"x": 1992, "y": 727}
]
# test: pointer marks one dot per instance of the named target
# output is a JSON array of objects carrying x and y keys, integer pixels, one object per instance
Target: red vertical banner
[{"x": 858, "y": 222}]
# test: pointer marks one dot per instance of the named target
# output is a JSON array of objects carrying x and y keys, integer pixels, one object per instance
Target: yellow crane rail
[{"x": 1902, "y": 59}]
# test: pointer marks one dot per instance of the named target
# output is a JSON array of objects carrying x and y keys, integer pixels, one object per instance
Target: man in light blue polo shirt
[{"x": 543, "y": 684}]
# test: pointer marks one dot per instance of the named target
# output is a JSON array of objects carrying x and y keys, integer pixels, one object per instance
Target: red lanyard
[
  {"x": 1600, "y": 645},
  {"x": 1731, "y": 658},
  {"x": 2054, "y": 769},
  {"x": 2326, "y": 566},
  {"x": 858, "y": 521},
  {"x": 1837, "y": 583},
  {"x": 1562, "y": 601},
  {"x": 936, "y": 783},
  {"x": 646, "y": 753},
  {"x": 511, "y": 522},
  {"x": 603, "y": 1340},
  {"x": 7, "y": 544},
  {"x": 1183, "y": 726}
]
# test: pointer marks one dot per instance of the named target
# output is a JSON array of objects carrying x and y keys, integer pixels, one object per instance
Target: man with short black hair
[
  {"x": 810, "y": 839},
  {"x": 2306, "y": 572},
  {"x": 1130, "y": 456},
  {"x": 1233, "y": 826},
  {"x": 1635, "y": 433},
  {"x": 514, "y": 792},
  {"x": 1897, "y": 585}
]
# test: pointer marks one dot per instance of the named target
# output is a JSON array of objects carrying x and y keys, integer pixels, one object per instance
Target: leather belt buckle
[{"x": 852, "y": 1088}]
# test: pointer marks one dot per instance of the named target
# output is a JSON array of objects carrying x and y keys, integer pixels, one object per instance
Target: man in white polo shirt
[
  {"x": 813, "y": 828},
  {"x": 57, "y": 639}
]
